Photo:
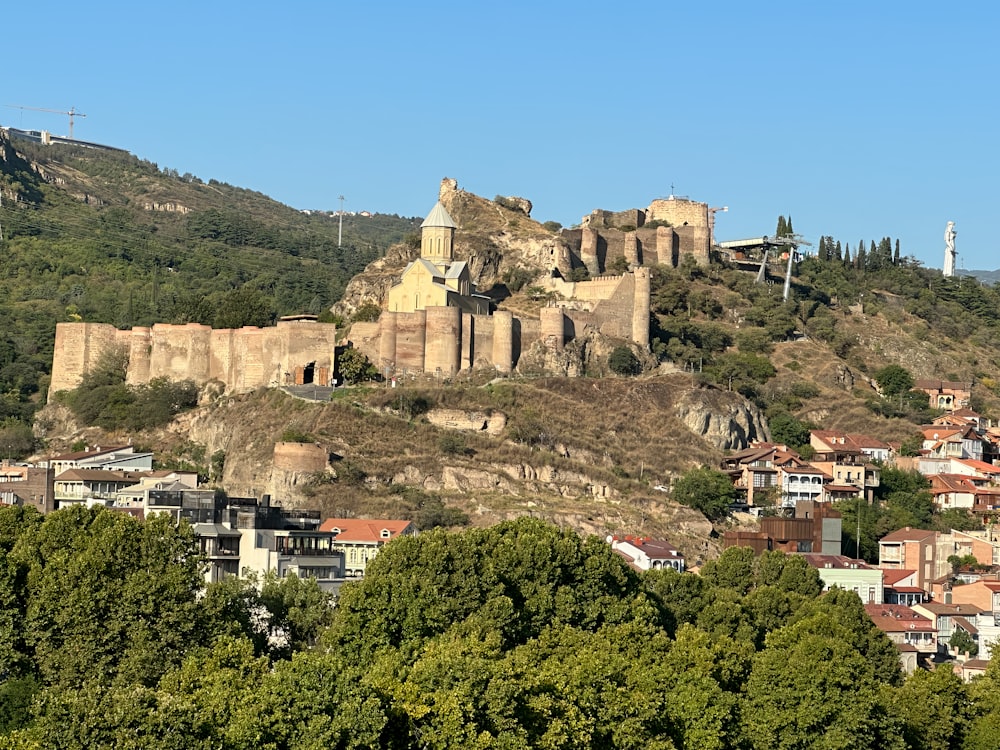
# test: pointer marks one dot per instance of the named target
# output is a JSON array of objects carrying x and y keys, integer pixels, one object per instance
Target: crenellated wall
[{"x": 241, "y": 359}]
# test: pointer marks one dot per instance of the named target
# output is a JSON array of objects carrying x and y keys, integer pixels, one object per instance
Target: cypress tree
[
  {"x": 782, "y": 227},
  {"x": 836, "y": 251},
  {"x": 895, "y": 257}
]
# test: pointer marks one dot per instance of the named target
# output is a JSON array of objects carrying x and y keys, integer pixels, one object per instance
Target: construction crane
[{"x": 72, "y": 113}]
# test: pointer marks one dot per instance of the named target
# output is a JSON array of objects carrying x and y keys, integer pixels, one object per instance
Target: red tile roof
[
  {"x": 365, "y": 529},
  {"x": 895, "y": 618},
  {"x": 891, "y": 576}
]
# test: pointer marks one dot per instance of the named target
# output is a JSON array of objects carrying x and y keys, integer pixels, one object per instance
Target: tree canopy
[{"x": 518, "y": 635}]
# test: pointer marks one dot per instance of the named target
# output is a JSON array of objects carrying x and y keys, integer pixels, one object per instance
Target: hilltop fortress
[{"x": 433, "y": 320}]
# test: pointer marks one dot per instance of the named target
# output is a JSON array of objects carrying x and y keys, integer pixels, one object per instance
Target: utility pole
[{"x": 340, "y": 230}]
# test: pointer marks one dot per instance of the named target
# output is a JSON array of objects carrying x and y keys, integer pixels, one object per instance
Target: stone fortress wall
[
  {"x": 605, "y": 236},
  {"x": 438, "y": 340},
  {"x": 240, "y": 359}
]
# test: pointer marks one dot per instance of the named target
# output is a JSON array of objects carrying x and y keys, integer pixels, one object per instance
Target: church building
[{"x": 436, "y": 279}]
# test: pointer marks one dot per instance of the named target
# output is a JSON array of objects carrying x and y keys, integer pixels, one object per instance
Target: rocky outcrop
[
  {"x": 469, "y": 421},
  {"x": 724, "y": 419}
]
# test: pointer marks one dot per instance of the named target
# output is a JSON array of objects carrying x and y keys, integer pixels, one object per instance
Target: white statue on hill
[{"x": 949, "y": 249}]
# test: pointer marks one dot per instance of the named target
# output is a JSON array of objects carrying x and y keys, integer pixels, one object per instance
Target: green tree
[
  {"x": 706, "y": 490},
  {"x": 367, "y": 312},
  {"x": 893, "y": 380},
  {"x": 934, "y": 705},
  {"x": 354, "y": 367},
  {"x": 245, "y": 306},
  {"x": 623, "y": 362},
  {"x": 962, "y": 641}
]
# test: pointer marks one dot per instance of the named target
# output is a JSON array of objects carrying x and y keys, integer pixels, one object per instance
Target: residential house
[
  {"x": 948, "y": 618},
  {"x": 952, "y": 442},
  {"x": 360, "y": 539},
  {"x": 971, "y": 668},
  {"x": 958, "y": 491},
  {"x": 946, "y": 395},
  {"x": 850, "y": 575},
  {"x": 753, "y": 472},
  {"x": 108, "y": 458},
  {"x": 27, "y": 486},
  {"x": 91, "y": 486},
  {"x": 816, "y": 527},
  {"x": 909, "y": 630},
  {"x": 837, "y": 444},
  {"x": 801, "y": 482},
  {"x": 273, "y": 539},
  {"x": 645, "y": 553},
  {"x": 983, "y": 545},
  {"x": 901, "y": 587},
  {"x": 912, "y": 549},
  {"x": 984, "y": 593}
]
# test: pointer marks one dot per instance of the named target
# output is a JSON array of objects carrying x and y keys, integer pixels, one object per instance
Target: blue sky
[{"x": 858, "y": 119}]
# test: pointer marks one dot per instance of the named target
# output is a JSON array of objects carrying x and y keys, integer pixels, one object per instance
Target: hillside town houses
[
  {"x": 925, "y": 587},
  {"x": 236, "y": 536}
]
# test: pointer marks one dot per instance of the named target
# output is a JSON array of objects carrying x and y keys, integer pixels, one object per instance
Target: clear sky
[{"x": 858, "y": 119}]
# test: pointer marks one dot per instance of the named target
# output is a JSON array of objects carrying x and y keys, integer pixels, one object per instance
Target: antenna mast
[{"x": 340, "y": 229}]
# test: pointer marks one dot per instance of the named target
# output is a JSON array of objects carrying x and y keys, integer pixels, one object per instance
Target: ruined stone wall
[
  {"x": 599, "y": 218},
  {"x": 368, "y": 338},
  {"x": 241, "y": 359},
  {"x": 78, "y": 347},
  {"x": 613, "y": 314},
  {"x": 303, "y": 457},
  {"x": 678, "y": 212},
  {"x": 478, "y": 340}
]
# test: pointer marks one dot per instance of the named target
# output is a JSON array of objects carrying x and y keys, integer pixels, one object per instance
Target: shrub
[
  {"x": 516, "y": 278},
  {"x": 452, "y": 445},
  {"x": 368, "y": 312},
  {"x": 354, "y": 367},
  {"x": 295, "y": 435},
  {"x": 552, "y": 226},
  {"x": 623, "y": 362}
]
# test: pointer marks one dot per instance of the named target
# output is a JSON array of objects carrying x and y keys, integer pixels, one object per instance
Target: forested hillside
[
  {"x": 518, "y": 636},
  {"x": 107, "y": 237}
]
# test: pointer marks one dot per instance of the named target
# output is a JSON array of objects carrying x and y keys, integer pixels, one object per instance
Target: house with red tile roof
[
  {"x": 946, "y": 395},
  {"x": 965, "y": 493},
  {"x": 845, "y": 444},
  {"x": 906, "y": 628},
  {"x": 901, "y": 587},
  {"x": 948, "y": 618},
  {"x": 360, "y": 539},
  {"x": 952, "y": 442}
]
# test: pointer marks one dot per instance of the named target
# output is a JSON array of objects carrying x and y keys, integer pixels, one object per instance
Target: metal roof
[{"x": 439, "y": 217}]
